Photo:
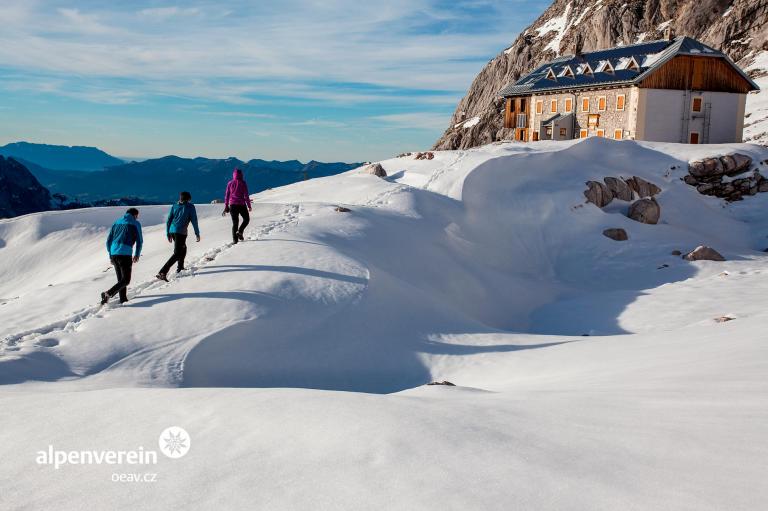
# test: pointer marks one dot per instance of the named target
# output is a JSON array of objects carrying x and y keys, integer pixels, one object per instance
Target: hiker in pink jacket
[{"x": 237, "y": 203}]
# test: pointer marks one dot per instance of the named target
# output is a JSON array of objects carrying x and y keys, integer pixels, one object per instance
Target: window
[
  {"x": 535, "y": 136},
  {"x": 551, "y": 74},
  {"x": 618, "y": 134},
  {"x": 568, "y": 104},
  {"x": 620, "y": 100},
  {"x": 539, "y": 107},
  {"x": 696, "y": 104},
  {"x": 601, "y": 104},
  {"x": 548, "y": 131},
  {"x": 585, "y": 105},
  {"x": 563, "y": 132},
  {"x": 694, "y": 137},
  {"x": 553, "y": 106},
  {"x": 593, "y": 120},
  {"x": 600, "y": 133},
  {"x": 633, "y": 64},
  {"x": 582, "y": 133},
  {"x": 522, "y": 105}
]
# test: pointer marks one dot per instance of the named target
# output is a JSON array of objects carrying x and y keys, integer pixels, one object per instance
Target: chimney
[{"x": 669, "y": 33}]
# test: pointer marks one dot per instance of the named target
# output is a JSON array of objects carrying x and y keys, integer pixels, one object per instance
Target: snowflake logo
[{"x": 174, "y": 442}]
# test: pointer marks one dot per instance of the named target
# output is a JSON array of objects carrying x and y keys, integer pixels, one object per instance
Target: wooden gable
[{"x": 686, "y": 72}]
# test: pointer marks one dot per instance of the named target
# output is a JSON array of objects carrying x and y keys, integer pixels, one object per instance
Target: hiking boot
[
  {"x": 179, "y": 270},
  {"x": 240, "y": 236},
  {"x": 104, "y": 298},
  {"x": 162, "y": 276},
  {"x": 235, "y": 240}
]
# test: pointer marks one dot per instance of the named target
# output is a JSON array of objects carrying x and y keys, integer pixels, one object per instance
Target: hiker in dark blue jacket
[
  {"x": 125, "y": 233},
  {"x": 181, "y": 215}
]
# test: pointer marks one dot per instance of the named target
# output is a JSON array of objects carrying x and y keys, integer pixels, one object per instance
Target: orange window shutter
[
  {"x": 618, "y": 134},
  {"x": 696, "y": 105},
  {"x": 585, "y": 105},
  {"x": 583, "y": 134},
  {"x": 568, "y": 105},
  {"x": 553, "y": 106},
  {"x": 620, "y": 102},
  {"x": 601, "y": 104}
]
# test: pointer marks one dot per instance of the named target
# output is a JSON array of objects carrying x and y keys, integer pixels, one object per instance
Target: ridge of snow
[{"x": 559, "y": 25}]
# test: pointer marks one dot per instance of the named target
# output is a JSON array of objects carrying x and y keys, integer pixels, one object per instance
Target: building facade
[{"x": 669, "y": 91}]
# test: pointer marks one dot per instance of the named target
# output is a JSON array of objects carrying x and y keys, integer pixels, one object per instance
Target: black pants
[
  {"x": 179, "y": 253},
  {"x": 236, "y": 211},
  {"x": 123, "y": 265}
]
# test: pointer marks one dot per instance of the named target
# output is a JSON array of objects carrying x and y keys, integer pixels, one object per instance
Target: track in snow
[{"x": 71, "y": 322}]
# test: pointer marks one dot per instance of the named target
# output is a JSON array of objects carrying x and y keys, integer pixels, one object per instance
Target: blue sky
[{"x": 329, "y": 80}]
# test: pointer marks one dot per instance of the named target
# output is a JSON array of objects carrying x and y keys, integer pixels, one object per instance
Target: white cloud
[
  {"x": 165, "y": 13},
  {"x": 288, "y": 46}
]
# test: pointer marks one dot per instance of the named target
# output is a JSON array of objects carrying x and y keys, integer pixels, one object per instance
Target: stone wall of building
[{"x": 610, "y": 119}]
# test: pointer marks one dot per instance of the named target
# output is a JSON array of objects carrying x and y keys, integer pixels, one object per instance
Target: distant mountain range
[
  {"x": 155, "y": 181},
  {"x": 57, "y": 157}
]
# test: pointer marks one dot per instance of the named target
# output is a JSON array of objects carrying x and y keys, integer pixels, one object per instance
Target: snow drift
[{"x": 482, "y": 267}]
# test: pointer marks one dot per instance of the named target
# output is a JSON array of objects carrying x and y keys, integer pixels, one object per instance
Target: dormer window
[
  {"x": 633, "y": 65},
  {"x": 588, "y": 70},
  {"x": 605, "y": 66},
  {"x": 566, "y": 71},
  {"x": 551, "y": 74}
]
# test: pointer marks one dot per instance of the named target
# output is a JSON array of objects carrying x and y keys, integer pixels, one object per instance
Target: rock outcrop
[
  {"x": 703, "y": 253},
  {"x": 619, "y": 188},
  {"x": 712, "y": 176},
  {"x": 598, "y": 194},
  {"x": 616, "y": 234},
  {"x": 376, "y": 169},
  {"x": 736, "y": 27},
  {"x": 646, "y": 211},
  {"x": 644, "y": 189}
]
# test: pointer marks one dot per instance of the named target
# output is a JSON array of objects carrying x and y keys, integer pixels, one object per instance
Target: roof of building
[
  {"x": 621, "y": 65},
  {"x": 556, "y": 118}
]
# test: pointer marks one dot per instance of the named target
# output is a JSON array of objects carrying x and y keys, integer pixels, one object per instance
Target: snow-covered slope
[{"x": 482, "y": 267}]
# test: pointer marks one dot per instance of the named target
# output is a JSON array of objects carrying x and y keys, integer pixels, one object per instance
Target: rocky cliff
[
  {"x": 20, "y": 192},
  {"x": 737, "y": 27}
]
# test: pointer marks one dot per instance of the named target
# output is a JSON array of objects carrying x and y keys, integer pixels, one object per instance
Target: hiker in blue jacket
[
  {"x": 125, "y": 233},
  {"x": 181, "y": 215}
]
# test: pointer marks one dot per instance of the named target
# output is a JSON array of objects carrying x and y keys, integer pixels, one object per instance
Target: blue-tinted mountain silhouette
[{"x": 57, "y": 157}]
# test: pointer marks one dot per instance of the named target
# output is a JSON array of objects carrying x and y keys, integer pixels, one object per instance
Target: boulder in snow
[
  {"x": 644, "y": 189},
  {"x": 616, "y": 234},
  {"x": 342, "y": 209},
  {"x": 598, "y": 194},
  {"x": 646, "y": 211},
  {"x": 703, "y": 253},
  {"x": 444, "y": 382},
  {"x": 706, "y": 169},
  {"x": 619, "y": 188},
  {"x": 376, "y": 169},
  {"x": 735, "y": 164}
]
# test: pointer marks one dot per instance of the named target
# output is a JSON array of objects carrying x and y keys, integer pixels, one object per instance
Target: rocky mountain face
[
  {"x": 737, "y": 27},
  {"x": 20, "y": 192}
]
